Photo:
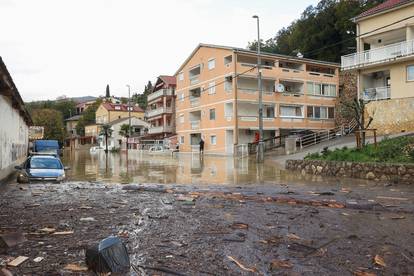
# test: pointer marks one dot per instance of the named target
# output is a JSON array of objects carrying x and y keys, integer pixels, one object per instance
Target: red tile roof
[
  {"x": 169, "y": 80},
  {"x": 389, "y": 4},
  {"x": 121, "y": 107}
]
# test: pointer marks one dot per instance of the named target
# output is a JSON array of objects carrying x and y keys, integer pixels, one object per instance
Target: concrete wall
[
  {"x": 14, "y": 135},
  {"x": 392, "y": 116}
]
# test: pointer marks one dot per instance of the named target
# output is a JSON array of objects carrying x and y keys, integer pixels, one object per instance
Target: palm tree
[
  {"x": 106, "y": 131},
  {"x": 124, "y": 132}
]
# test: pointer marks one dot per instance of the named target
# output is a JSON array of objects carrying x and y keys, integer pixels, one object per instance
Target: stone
[
  {"x": 370, "y": 176},
  {"x": 319, "y": 169}
]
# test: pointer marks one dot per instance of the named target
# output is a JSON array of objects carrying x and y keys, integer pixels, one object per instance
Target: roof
[
  {"x": 122, "y": 107},
  {"x": 73, "y": 118},
  {"x": 241, "y": 50},
  {"x": 8, "y": 88},
  {"x": 169, "y": 80},
  {"x": 120, "y": 120},
  {"x": 383, "y": 7}
]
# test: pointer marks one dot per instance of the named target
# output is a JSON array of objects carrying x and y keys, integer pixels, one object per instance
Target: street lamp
[
  {"x": 260, "y": 146},
  {"x": 129, "y": 114}
]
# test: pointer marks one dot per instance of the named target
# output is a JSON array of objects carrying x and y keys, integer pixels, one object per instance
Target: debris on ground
[
  {"x": 18, "y": 261},
  {"x": 9, "y": 240},
  {"x": 109, "y": 256}
]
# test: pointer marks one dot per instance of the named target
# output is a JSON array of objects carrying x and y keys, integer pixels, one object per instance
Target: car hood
[{"x": 46, "y": 172}]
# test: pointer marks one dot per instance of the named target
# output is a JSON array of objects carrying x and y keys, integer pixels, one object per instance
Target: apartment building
[
  {"x": 161, "y": 108},
  {"x": 384, "y": 64},
  {"x": 217, "y": 97}
]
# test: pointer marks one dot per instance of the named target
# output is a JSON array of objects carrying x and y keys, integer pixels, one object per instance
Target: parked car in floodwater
[{"x": 41, "y": 167}]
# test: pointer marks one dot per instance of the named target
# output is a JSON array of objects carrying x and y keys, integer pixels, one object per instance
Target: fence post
[
  {"x": 328, "y": 134},
  {"x": 315, "y": 137}
]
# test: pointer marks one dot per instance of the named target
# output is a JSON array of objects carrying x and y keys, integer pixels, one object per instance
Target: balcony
[
  {"x": 377, "y": 93},
  {"x": 195, "y": 125},
  {"x": 378, "y": 55},
  {"x": 159, "y": 93},
  {"x": 158, "y": 111},
  {"x": 160, "y": 129}
]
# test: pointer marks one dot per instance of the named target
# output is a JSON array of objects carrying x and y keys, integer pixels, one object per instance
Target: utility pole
[
  {"x": 129, "y": 115},
  {"x": 260, "y": 146}
]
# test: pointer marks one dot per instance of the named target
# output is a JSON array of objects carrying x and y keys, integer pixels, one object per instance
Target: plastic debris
[{"x": 110, "y": 255}]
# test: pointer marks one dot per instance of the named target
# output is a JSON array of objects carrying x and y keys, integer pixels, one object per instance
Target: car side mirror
[
  {"x": 66, "y": 168},
  {"x": 18, "y": 167}
]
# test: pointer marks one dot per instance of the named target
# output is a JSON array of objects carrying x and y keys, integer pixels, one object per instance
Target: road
[{"x": 286, "y": 227}]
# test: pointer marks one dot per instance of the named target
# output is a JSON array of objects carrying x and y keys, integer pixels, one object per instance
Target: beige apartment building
[
  {"x": 160, "y": 112},
  {"x": 384, "y": 63},
  {"x": 217, "y": 97}
]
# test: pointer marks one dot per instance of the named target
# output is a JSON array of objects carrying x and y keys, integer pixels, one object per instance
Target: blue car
[{"x": 41, "y": 168}]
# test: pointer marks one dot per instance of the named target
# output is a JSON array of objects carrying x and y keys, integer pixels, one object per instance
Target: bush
[{"x": 397, "y": 150}]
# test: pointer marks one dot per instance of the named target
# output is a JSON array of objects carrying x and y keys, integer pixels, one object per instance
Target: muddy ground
[{"x": 275, "y": 230}]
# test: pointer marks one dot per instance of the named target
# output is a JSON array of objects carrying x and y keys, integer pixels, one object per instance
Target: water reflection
[{"x": 139, "y": 167}]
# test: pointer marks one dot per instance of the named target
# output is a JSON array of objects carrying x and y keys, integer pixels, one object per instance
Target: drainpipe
[{"x": 235, "y": 111}]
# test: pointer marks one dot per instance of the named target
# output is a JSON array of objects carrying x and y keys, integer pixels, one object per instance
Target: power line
[
  {"x": 352, "y": 38},
  {"x": 221, "y": 82}
]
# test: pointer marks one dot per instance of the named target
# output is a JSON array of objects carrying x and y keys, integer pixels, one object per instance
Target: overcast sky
[{"x": 76, "y": 47}]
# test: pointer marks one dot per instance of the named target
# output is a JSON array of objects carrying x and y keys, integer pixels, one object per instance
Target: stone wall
[
  {"x": 392, "y": 116},
  {"x": 347, "y": 93},
  {"x": 371, "y": 171}
]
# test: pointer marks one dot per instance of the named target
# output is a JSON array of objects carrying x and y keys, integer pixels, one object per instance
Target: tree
[
  {"x": 87, "y": 117},
  {"x": 107, "y": 93},
  {"x": 327, "y": 24},
  {"x": 52, "y": 121},
  {"x": 124, "y": 131},
  {"x": 106, "y": 131},
  {"x": 357, "y": 109},
  {"x": 141, "y": 99}
]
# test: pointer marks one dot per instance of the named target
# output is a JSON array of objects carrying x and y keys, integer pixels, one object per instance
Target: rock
[
  {"x": 319, "y": 169},
  {"x": 370, "y": 176}
]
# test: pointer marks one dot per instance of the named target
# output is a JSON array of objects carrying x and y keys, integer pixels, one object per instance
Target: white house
[
  {"x": 117, "y": 141},
  {"x": 14, "y": 125}
]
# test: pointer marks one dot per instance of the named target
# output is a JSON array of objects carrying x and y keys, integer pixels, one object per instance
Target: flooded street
[{"x": 182, "y": 215}]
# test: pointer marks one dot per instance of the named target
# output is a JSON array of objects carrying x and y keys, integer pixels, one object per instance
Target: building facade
[
  {"x": 108, "y": 112},
  {"x": 384, "y": 64},
  {"x": 161, "y": 108},
  {"x": 14, "y": 125},
  {"x": 118, "y": 141},
  {"x": 217, "y": 97}
]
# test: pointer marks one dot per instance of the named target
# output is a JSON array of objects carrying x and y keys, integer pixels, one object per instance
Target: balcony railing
[
  {"x": 159, "y": 93},
  {"x": 195, "y": 101},
  {"x": 194, "y": 79},
  {"x": 377, "y": 93},
  {"x": 195, "y": 125},
  {"x": 160, "y": 129},
  {"x": 378, "y": 55},
  {"x": 254, "y": 91},
  {"x": 158, "y": 111}
]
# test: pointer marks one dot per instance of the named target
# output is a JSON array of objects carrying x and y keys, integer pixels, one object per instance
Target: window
[
  {"x": 228, "y": 60},
  {"x": 228, "y": 83},
  {"x": 181, "y": 118},
  {"x": 181, "y": 76},
  {"x": 213, "y": 139},
  {"x": 290, "y": 111},
  {"x": 269, "y": 111},
  {"x": 181, "y": 139},
  {"x": 212, "y": 88},
  {"x": 181, "y": 97},
  {"x": 410, "y": 73},
  {"x": 211, "y": 64},
  {"x": 212, "y": 114},
  {"x": 321, "y": 89},
  {"x": 320, "y": 112}
]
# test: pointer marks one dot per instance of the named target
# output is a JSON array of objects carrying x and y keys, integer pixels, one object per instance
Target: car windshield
[{"x": 45, "y": 163}]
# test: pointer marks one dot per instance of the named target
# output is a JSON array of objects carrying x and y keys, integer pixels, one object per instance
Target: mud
[{"x": 214, "y": 230}]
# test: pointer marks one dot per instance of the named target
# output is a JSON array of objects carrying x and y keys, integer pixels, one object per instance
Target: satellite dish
[{"x": 280, "y": 88}]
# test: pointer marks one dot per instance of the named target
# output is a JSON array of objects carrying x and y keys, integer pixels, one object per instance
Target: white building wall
[{"x": 14, "y": 135}]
